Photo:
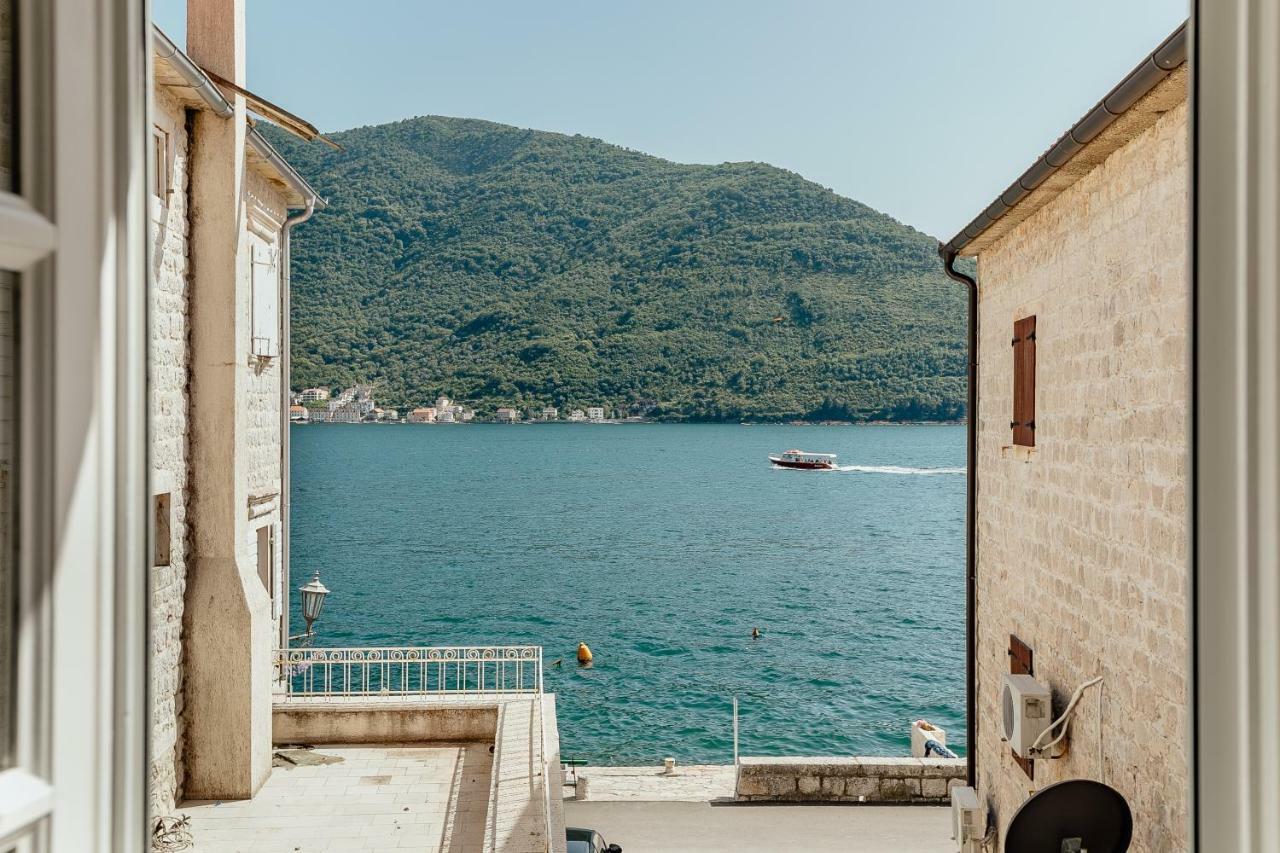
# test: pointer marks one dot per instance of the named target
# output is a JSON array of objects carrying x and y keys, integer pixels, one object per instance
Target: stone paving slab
[
  {"x": 694, "y": 783},
  {"x": 375, "y": 798},
  {"x": 673, "y": 827}
]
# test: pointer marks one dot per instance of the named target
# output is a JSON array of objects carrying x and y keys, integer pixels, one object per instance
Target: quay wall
[{"x": 925, "y": 781}]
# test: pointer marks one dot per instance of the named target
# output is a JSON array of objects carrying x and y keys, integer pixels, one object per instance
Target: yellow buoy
[{"x": 584, "y": 653}]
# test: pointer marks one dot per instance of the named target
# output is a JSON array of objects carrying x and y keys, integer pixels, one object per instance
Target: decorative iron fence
[{"x": 409, "y": 671}]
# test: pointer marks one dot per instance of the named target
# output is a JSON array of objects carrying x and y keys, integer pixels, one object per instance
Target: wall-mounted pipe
[
  {"x": 285, "y": 401},
  {"x": 971, "y": 518}
]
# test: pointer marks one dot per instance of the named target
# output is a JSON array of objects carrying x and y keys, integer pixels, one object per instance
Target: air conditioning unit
[
  {"x": 966, "y": 820},
  {"x": 1027, "y": 711}
]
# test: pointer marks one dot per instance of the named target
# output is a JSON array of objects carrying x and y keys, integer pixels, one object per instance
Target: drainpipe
[
  {"x": 285, "y": 385},
  {"x": 971, "y": 518}
]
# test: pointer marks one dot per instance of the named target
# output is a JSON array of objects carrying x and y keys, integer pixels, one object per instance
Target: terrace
[{"x": 425, "y": 748}]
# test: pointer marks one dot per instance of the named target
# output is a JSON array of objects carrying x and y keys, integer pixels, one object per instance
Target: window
[
  {"x": 160, "y": 176},
  {"x": 266, "y": 303},
  {"x": 265, "y": 547},
  {"x": 163, "y": 531},
  {"x": 1024, "y": 382},
  {"x": 271, "y": 565}
]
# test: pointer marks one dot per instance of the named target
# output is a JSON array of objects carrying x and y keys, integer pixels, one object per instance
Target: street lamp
[{"x": 313, "y": 594}]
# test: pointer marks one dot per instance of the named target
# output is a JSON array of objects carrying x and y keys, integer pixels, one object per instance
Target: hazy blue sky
[{"x": 924, "y": 109}]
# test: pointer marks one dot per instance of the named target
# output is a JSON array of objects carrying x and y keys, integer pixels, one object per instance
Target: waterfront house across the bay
[{"x": 1079, "y": 525}]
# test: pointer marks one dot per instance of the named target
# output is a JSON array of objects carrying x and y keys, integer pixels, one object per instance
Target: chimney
[{"x": 215, "y": 37}]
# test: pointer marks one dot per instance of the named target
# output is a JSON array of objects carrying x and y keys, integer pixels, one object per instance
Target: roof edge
[
  {"x": 1170, "y": 55},
  {"x": 203, "y": 85},
  {"x": 259, "y": 143}
]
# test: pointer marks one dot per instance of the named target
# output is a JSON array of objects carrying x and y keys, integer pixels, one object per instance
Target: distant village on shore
[{"x": 356, "y": 405}]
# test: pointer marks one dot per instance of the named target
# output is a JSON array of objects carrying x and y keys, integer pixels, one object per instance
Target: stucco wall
[
  {"x": 266, "y": 213},
  {"x": 169, "y": 364},
  {"x": 1082, "y": 542}
]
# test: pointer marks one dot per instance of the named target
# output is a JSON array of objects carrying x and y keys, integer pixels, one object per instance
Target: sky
[{"x": 923, "y": 109}]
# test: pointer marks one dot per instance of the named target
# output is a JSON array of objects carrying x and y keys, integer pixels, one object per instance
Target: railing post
[{"x": 735, "y": 730}]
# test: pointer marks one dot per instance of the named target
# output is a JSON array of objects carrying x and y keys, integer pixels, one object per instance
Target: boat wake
[{"x": 897, "y": 469}]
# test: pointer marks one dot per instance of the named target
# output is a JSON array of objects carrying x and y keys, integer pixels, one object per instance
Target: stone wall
[
  {"x": 1082, "y": 541},
  {"x": 169, "y": 364},
  {"x": 849, "y": 780}
]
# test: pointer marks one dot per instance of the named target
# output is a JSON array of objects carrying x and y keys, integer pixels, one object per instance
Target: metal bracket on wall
[{"x": 1021, "y": 662}]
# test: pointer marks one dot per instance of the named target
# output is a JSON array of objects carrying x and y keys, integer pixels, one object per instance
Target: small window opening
[
  {"x": 160, "y": 180},
  {"x": 164, "y": 526},
  {"x": 1024, "y": 382},
  {"x": 266, "y": 557}
]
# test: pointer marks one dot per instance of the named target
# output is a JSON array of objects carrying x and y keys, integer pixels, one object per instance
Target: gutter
[
  {"x": 195, "y": 76},
  {"x": 255, "y": 140},
  {"x": 1163, "y": 61},
  {"x": 971, "y": 520},
  {"x": 285, "y": 386}
]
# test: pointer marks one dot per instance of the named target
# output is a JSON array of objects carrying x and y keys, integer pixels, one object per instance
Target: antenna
[{"x": 1075, "y": 816}]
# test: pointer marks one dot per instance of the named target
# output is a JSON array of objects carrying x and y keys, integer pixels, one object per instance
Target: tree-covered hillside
[{"x": 504, "y": 266}]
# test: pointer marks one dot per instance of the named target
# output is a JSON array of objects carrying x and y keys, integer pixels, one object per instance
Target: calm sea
[{"x": 661, "y": 547}]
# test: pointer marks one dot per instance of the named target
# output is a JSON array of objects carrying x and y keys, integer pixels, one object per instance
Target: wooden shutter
[
  {"x": 1024, "y": 382},
  {"x": 265, "y": 286},
  {"x": 1020, "y": 663}
]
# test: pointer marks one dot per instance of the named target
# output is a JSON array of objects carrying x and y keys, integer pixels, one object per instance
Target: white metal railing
[{"x": 409, "y": 671}]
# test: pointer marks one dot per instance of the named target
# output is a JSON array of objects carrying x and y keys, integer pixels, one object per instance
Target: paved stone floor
[
  {"x": 697, "y": 783},
  {"x": 676, "y": 827},
  {"x": 375, "y": 798}
]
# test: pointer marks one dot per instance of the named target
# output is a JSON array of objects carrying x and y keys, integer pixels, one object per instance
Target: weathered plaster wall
[
  {"x": 382, "y": 722},
  {"x": 1082, "y": 543},
  {"x": 266, "y": 213},
  {"x": 169, "y": 363}
]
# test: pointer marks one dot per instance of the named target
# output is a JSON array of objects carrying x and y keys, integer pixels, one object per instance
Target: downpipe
[
  {"x": 286, "y": 362},
  {"x": 971, "y": 517}
]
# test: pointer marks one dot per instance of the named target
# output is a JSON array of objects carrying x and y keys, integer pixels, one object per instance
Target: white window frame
[
  {"x": 75, "y": 234},
  {"x": 1235, "y": 577},
  {"x": 161, "y": 172}
]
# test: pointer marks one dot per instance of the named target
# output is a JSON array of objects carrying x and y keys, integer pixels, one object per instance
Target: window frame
[{"x": 79, "y": 645}]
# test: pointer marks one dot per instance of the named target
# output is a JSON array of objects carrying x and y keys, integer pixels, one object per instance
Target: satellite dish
[{"x": 1076, "y": 816}]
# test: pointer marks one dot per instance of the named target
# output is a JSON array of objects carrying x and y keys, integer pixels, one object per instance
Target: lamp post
[{"x": 313, "y": 593}]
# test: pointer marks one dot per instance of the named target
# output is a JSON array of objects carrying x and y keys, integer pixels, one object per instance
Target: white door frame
[
  {"x": 1236, "y": 423},
  {"x": 75, "y": 234}
]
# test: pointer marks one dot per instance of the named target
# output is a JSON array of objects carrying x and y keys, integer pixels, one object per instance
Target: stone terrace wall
[
  {"x": 868, "y": 780},
  {"x": 169, "y": 409},
  {"x": 1082, "y": 542}
]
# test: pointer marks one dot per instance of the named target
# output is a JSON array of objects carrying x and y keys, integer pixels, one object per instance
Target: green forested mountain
[{"x": 504, "y": 266}]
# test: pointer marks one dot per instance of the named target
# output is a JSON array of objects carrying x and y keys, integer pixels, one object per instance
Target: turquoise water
[{"x": 660, "y": 546}]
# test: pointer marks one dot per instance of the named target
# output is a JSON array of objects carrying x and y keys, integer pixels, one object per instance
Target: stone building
[
  {"x": 219, "y": 212},
  {"x": 1081, "y": 468}
]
